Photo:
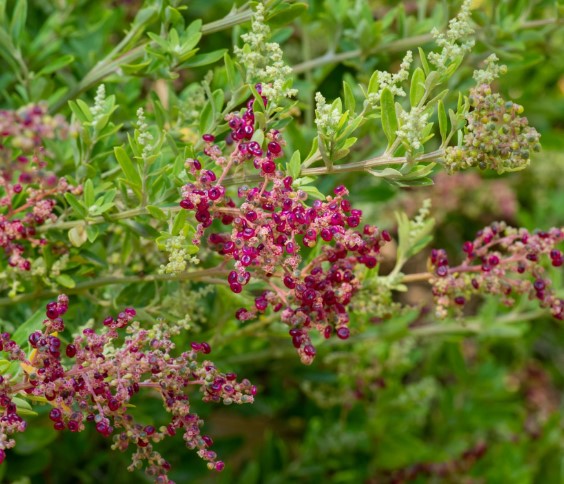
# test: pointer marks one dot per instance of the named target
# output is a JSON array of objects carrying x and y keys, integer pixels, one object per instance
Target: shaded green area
[{"x": 390, "y": 398}]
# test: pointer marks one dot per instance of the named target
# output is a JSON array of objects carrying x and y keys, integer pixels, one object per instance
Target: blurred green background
[{"x": 392, "y": 404}]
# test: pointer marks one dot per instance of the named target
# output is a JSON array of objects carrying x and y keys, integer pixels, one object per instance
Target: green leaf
[
  {"x": 286, "y": 14},
  {"x": 77, "y": 206},
  {"x": 420, "y": 182},
  {"x": 89, "y": 193},
  {"x": 424, "y": 62},
  {"x": 78, "y": 112},
  {"x": 85, "y": 109},
  {"x": 389, "y": 118},
  {"x": 386, "y": 173},
  {"x": 443, "y": 121},
  {"x": 23, "y": 407},
  {"x": 417, "y": 89},
  {"x": 92, "y": 233},
  {"x": 194, "y": 28},
  {"x": 218, "y": 98},
  {"x": 127, "y": 166},
  {"x": 373, "y": 85},
  {"x": 205, "y": 59},
  {"x": 34, "y": 323},
  {"x": 258, "y": 136},
  {"x": 56, "y": 65},
  {"x": 179, "y": 222},
  {"x": 206, "y": 117},
  {"x": 4, "y": 365},
  {"x": 295, "y": 165},
  {"x": 419, "y": 171},
  {"x": 230, "y": 71},
  {"x": 157, "y": 213},
  {"x": 17, "y": 24},
  {"x": 66, "y": 281},
  {"x": 314, "y": 147},
  {"x": 312, "y": 192},
  {"x": 350, "y": 101}
]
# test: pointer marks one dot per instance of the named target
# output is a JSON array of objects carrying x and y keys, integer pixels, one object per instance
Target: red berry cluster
[
  {"x": 98, "y": 377},
  {"x": 27, "y": 188},
  {"x": 271, "y": 225},
  {"x": 501, "y": 260}
]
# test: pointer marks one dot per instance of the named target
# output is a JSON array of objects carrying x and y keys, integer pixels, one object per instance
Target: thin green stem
[
  {"x": 381, "y": 160},
  {"x": 208, "y": 275},
  {"x": 335, "y": 58},
  {"x": 127, "y": 214},
  {"x": 396, "y": 46},
  {"x": 230, "y": 20}
]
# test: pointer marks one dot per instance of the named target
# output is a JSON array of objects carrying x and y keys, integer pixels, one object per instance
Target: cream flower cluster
[
  {"x": 178, "y": 256},
  {"x": 413, "y": 123},
  {"x": 492, "y": 71},
  {"x": 264, "y": 61},
  {"x": 392, "y": 81},
  {"x": 326, "y": 117},
  {"x": 456, "y": 41}
]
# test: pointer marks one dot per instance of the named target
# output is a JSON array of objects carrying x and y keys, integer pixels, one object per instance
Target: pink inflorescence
[
  {"x": 501, "y": 260},
  {"x": 27, "y": 188},
  {"x": 269, "y": 227},
  {"x": 96, "y": 379}
]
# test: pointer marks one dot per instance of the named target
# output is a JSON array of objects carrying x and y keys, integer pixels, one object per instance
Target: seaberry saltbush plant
[{"x": 228, "y": 172}]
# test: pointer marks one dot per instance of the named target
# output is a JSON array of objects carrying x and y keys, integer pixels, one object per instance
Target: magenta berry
[{"x": 55, "y": 414}]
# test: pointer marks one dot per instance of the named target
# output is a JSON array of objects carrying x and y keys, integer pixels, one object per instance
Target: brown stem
[{"x": 418, "y": 277}]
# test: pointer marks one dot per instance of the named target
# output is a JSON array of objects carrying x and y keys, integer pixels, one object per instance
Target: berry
[{"x": 55, "y": 414}]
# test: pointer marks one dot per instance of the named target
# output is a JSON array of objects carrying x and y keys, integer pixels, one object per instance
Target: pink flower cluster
[
  {"x": 501, "y": 260},
  {"x": 269, "y": 227},
  {"x": 98, "y": 377},
  {"x": 27, "y": 188}
]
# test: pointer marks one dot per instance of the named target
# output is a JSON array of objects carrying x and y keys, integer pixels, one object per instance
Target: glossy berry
[{"x": 55, "y": 414}]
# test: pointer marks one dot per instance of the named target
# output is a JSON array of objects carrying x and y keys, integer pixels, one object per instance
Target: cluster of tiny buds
[
  {"x": 93, "y": 380},
  {"x": 497, "y": 137},
  {"x": 501, "y": 260},
  {"x": 271, "y": 225},
  {"x": 27, "y": 188}
]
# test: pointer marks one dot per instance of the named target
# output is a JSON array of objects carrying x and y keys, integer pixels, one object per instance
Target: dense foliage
[{"x": 299, "y": 241}]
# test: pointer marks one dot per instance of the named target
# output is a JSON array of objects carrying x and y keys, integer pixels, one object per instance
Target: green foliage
[{"x": 404, "y": 389}]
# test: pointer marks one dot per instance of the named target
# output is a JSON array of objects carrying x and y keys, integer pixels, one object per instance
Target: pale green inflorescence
[
  {"x": 392, "y": 81},
  {"x": 263, "y": 60},
  {"x": 179, "y": 257},
  {"x": 98, "y": 109},
  {"x": 492, "y": 71},
  {"x": 413, "y": 123},
  {"x": 327, "y": 117},
  {"x": 419, "y": 223},
  {"x": 145, "y": 138},
  {"x": 457, "y": 41}
]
